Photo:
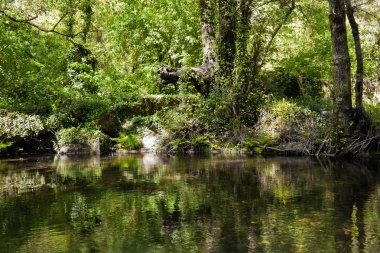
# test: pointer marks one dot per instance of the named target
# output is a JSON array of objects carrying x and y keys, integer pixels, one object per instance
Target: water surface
[{"x": 147, "y": 203}]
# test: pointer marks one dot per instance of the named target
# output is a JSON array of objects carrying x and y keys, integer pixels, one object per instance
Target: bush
[
  {"x": 184, "y": 133},
  {"x": 287, "y": 123},
  {"x": 128, "y": 142},
  {"x": 20, "y": 125},
  {"x": 258, "y": 143},
  {"x": 86, "y": 136}
]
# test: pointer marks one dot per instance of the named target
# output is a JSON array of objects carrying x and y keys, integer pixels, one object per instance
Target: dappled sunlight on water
[{"x": 150, "y": 203}]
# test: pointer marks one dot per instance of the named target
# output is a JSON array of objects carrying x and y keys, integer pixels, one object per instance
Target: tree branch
[
  {"x": 305, "y": 16},
  {"x": 361, "y": 4},
  {"x": 18, "y": 20},
  {"x": 368, "y": 13},
  {"x": 59, "y": 21},
  {"x": 42, "y": 29},
  {"x": 275, "y": 32}
]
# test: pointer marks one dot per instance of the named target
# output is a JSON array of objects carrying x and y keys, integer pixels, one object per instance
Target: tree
[
  {"x": 351, "y": 121},
  {"x": 201, "y": 77},
  {"x": 342, "y": 64},
  {"x": 237, "y": 37},
  {"x": 363, "y": 120}
]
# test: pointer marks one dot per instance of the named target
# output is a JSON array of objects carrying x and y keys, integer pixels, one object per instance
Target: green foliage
[
  {"x": 4, "y": 145},
  {"x": 75, "y": 106},
  {"x": 304, "y": 47},
  {"x": 139, "y": 122},
  {"x": 258, "y": 143},
  {"x": 80, "y": 69},
  {"x": 81, "y": 77},
  {"x": 160, "y": 26},
  {"x": 101, "y": 58},
  {"x": 182, "y": 143},
  {"x": 373, "y": 112},
  {"x": 315, "y": 104},
  {"x": 78, "y": 135},
  {"x": 29, "y": 66},
  {"x": 21, "y": 125},
  {"x": 282, "y": 82},
  {"x": 128, "y": 142},
  {"x": 183, "y": 130},
  {"x": 215, "y": 110},
  {"x": 286, "y": 122},
  {"x": 69, "y": 135}
]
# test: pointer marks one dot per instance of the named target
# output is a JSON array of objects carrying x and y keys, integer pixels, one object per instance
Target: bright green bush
[
  {"x": 128, "y": 142},
  {"x": 258, "y": 143}
]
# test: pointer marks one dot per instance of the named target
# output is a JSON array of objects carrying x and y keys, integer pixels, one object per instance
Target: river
[{"x": 149, "y": 203}]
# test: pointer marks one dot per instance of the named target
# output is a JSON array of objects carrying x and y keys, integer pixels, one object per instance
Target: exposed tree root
[{"x": 359, "y": 145}]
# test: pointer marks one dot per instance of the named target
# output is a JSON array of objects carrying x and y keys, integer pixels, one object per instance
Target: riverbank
[{"x": 284, "y": 127}]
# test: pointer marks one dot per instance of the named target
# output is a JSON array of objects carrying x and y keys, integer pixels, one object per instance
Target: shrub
[
  {"x": 184, "y": 133},
  {"x": 285, "y": 122},
  {"x": 128, "y": 142},
  {"x": 20, "y": 125},
  {"x": 258, "y": 143},
  {"x": 86, "y": 136}
]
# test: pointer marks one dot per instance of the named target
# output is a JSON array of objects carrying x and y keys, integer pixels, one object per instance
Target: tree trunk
[
  {"x": 359, "y": 55},
  {"x": 342, "y": 64},
  {"x": 243, "y": 77},
  {"x": 242, "y": 72},
  {"x": 208, "y": 33},
  {"x": 362, "y": 117},
  {"x": 200, "y": 77},
  {"x": 227, "y": 42}
]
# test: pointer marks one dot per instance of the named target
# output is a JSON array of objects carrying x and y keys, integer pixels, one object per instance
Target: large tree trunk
[
  {"x": 242, "y": 58},
  {"x": 226, "y": 42},
  {"x": 208, "y": 33},
  {"x": 362, "y": 118},
  {"x": 342, "y": 64},
  {"x": 200, "y": 77},
  {"x": 242, "y": 72}
]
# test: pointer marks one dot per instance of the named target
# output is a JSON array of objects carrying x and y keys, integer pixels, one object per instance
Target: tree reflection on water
[{"x": 152, "y": 203}]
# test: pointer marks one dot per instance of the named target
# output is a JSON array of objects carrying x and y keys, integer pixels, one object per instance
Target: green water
[{"x": 188, "y": 204}]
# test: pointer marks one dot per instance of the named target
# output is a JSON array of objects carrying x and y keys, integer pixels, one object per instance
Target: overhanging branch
[
  {"x": 274, "y": 33},
  {"x": 42, "y": 29}
]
